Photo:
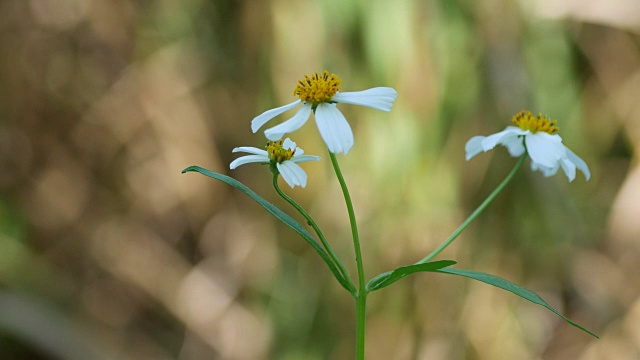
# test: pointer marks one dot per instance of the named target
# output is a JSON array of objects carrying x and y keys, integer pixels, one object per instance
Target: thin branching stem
[
  {"x": 476, "y": 212},
  {"x": 315, "y": 227}
]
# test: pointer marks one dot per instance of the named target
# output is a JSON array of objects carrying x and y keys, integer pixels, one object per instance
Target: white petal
[
  {"x": 292, "y": 173},
  {"x": 334, "y": 128},
  {"x": 545, "y": 149},
  {"x": 288, "y": 144},
  {"x": 262, "y": 119},
  {"x": 546, "y": 171},
  {"x": 514, "y": 144},
  {"x": 380, "y": 98},
  {"x": 506, "y": 137},
  {"x": 473, "y": 147},
  {"x": 580, "y": 164},
  {"x": 293, "y": 124},
  {"x": 250, "y": 150},
  {"x": 248, "y": 159},
  {"x": 569, "y": 168},
  {"x": 304, "y": 158}
]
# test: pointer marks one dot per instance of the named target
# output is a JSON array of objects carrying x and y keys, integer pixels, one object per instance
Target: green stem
[
  {"x": 352, "y": 220},
  {"x": 477, "y": 212},
  {"x": 361, "y": 294},
  {"x": 315, "y": 227},
  {"x": 361, "y": 313}
]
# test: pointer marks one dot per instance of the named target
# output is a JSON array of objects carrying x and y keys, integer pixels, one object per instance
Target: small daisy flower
[
  {"x": 320, "y": 94},
  {"x": 537, "y": 135},
  {"x": 284, "y": 154}
]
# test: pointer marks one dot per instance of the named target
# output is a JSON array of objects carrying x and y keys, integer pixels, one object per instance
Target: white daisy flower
[
  {"x": 319, "y": 94},
  {"x": 536, "y": 135},
  {"x": 283, "y": 154}
]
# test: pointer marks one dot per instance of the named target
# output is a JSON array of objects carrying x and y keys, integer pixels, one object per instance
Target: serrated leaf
[
  {"x": 389, "y": 277},
  {"x": 278, "y": 214},
  {"x": 511, "y": 287}
]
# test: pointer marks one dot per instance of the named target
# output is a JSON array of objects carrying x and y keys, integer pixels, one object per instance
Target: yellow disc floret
[
  {"x": 277, "y": 152},
  {"x": 318, "y": 88},
  {"x": 526, "y": 121}
]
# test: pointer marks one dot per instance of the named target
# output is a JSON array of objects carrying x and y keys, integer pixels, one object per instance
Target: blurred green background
[{"x": 108, "y": 252}]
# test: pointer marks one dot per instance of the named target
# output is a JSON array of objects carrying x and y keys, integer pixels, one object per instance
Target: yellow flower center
[
  {"x": 277, "y": 152},
  {"x": 318, "y": 88},
  {"x": 526, "y": 121}
]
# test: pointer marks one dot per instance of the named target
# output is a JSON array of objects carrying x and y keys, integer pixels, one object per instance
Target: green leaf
[
  {"x": 389, "y": 277},
  {"x": 278, "y": 214},
  {"x": 511, "y": 287}
]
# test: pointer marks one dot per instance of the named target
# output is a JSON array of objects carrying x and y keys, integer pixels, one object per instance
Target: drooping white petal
[
  {"x": 506, "y": 137},
  {"x": 304, "y": 158},
  {"x": 263, "y": 118},
  {"x": 250, "y": 150},
  {"x": 569, "y": 168},
  {"x": 248, "y": 159},
  {"x": 380, "y": 98},
  {"x": 515, "y": 145},
  {"x": 334, "y": 128},
  {"x": 473, "y": 147},
  {"x": 293, "y": 124},
  {"x": 545, "y": 149},
  {"x": 546, "y": 171},
  {"x": 292, "y": 173},
  {"x": 580, "y": 164}
]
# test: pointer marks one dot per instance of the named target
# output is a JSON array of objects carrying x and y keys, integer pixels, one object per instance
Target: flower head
[
  {"x": 537, "y": 135},
  {"x": 319, "y": 93},
  {"x": 283, "y": 154}
]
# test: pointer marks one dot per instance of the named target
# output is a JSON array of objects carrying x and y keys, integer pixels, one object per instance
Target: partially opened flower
[
  {"x": 537, "y": 135},
  {"x": 320, "y": 93},
  {"x": 283, "y": 154}
]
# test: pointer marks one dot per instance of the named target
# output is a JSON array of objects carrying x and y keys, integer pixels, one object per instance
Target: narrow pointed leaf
[
  {"x": 278, "y": 214},
  {"x": 389, "y": 277},
  {"x": 511, "y": 287}
]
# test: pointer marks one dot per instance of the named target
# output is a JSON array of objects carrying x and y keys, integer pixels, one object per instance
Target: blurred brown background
[{"x": 108, "y": 252}]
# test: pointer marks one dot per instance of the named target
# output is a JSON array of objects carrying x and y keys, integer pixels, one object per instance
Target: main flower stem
[
  {"x": 361, "y": 294},
  {"x": 315, "y": 227},
  {"x": 476, "y": 212}
]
